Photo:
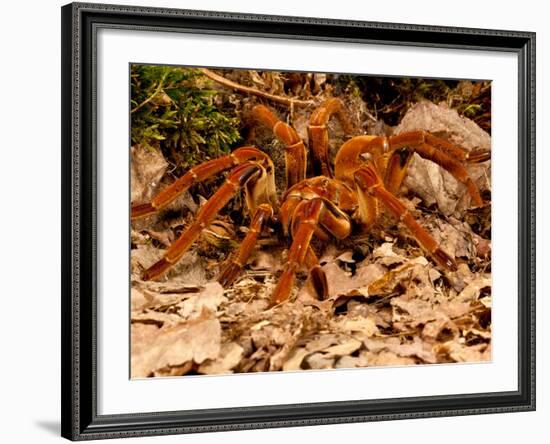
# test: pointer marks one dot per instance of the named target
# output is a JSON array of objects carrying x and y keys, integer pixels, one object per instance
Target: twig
[
  {"x": 151, "y": 97},
  {"x": 370, "y": 116},
  {"x": 238, "y": 87}
]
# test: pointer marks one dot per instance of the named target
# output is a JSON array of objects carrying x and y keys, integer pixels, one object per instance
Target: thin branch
[
  {"x": 238, "y": 87},
  {"x": 151, "y": 97}
]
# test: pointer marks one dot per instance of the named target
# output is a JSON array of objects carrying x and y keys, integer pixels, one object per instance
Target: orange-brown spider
[{"x": 368, "y": 170}]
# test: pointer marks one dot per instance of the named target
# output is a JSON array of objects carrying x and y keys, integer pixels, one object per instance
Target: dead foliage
[{"x": 388, "y": 303}]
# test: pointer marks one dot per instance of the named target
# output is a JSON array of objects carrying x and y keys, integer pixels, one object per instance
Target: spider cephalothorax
[{"x": 368, "y": 172}]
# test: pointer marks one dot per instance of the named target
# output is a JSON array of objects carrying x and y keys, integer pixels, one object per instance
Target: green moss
[{"x": 175, "y": 108}]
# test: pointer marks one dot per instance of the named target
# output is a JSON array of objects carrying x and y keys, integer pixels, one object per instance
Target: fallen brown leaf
[
  {"x": 174, "y": 346},
  {"x": 147, "y": 166},
  {"x": 229, "y": 357}
]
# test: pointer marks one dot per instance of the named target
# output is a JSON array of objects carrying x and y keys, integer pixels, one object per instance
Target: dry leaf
[
  {"x": 346, "y": 348},
  {"x": 319, "y": 361},
  {"x": 414, "y": 268},
  {"x": 175, "y": 370},
  {"x": 295, "y": 359},
  {"x": 139, "y": 299},
  {"x": 321, "y": 343},
  {"x": 165, "y": 237},
  {"x": 441, "y": 330},
  {"x": 472, "y": 291},
  {"x": 352, "y": 361},
  {"x": 462, "y": 353},
  {"x": 388, "y": 358},
  {"x": 399, "y": 347},
  {"x": 156, "y": 317},
  {"x": 366, "y": 326},
  {"x": 265, "y": 261},
  {"x": 386, "y": 256},
  {"x": 229, "y": 357},
  {"x": 347, "y": 257},
  {"x": 341, "y": 282},
  {"x": 415, "y": 311},
  {"x": 174, "y": 346},
  {"x": 209, "y": 298},
  {"x": 456, "y": 239},
  {"x": 190, "y": 271},
  {"x": 147, "y": 166},
  {"x": 270, "y": 335}
]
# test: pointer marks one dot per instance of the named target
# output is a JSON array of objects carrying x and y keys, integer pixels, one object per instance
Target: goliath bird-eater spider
[{"x": 368, "y": 172}]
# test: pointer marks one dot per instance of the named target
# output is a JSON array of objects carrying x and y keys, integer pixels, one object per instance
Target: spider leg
[
  {"x": 396, "y": 169},
  {"x": 262, "y": 215},
  {"x": 368, "y": 182},
  {"x": 199, "y": 173},
  {"x": 287, "y": 211},
  {"x": 295, "y": 150},
  {"x": 479, "y": 156},
  {"x": 318, "y": 133},
  {"x": 445, "y": 154},
  {"x": 308, "y": 218},
  {"x": 455, "y": 151},
  {"x": 317, "y": 275},
  {"x": 236, "y": 180},
  {"x": 354, "y": 152}
]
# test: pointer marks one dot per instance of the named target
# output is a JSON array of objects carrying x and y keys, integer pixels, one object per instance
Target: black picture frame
[{"x": 80, "y": 420}]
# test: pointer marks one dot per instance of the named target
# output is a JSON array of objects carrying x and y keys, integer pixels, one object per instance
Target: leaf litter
[{"x": 388, "y": 303}]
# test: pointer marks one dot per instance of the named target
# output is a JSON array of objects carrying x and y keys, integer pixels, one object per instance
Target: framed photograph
[{"x": 277, "y": 221}]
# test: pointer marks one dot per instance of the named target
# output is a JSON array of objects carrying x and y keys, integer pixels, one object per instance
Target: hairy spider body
[{"x": 368, "y": 172}]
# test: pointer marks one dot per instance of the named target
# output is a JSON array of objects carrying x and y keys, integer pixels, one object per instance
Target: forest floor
[{"x": 389, "y": 304}]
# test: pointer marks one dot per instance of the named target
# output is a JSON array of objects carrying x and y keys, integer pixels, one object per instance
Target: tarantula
[{"x": 368, "y": 171}]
